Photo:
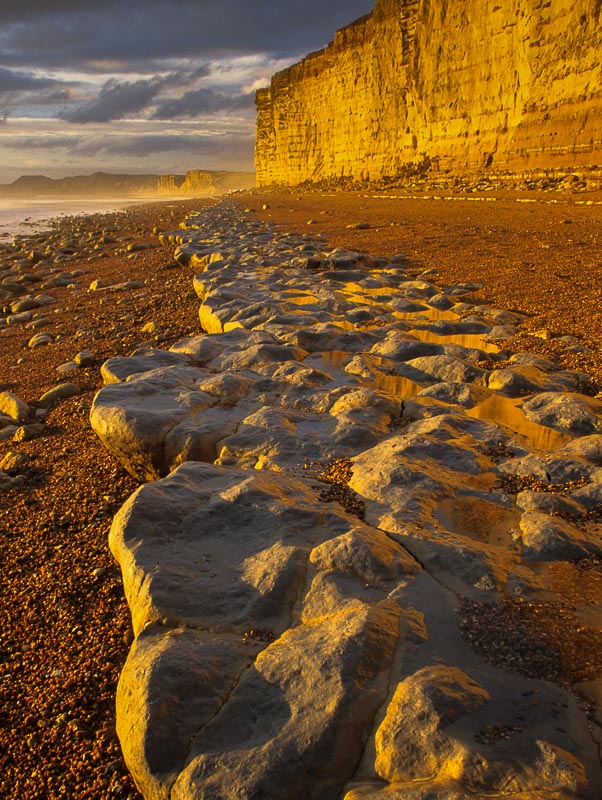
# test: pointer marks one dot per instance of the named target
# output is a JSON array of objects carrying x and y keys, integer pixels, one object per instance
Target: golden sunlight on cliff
[{"x": 492, "y": 84}]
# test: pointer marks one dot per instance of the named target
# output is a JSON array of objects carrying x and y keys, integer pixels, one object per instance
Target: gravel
[{"x": 65, "y": 630}]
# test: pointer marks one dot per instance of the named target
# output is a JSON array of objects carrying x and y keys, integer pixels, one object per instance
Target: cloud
[
  {"x": 137, "y": 145},
  {"x": 168, "y": 82},
  {"x": 118, "y": 99},
  {"x": 115, "y": 101},
  {"x": 154, "y": 144},
  {"x": 13, "y": 81},
  {"x": 203, "y": 101},
  {"x": 183, "y": 77},
  {"x": 71, "y": 33},
  {"x": 42, "y": 142}
]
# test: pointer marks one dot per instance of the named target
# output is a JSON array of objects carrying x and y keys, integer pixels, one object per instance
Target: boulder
[
  {"x": 213, "y": 558},
  {"x": 576, "y": 414},
  {"x": 413, "y": 741}
]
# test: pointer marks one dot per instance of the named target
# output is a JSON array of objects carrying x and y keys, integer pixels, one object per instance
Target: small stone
[
  {"x": 27, "y": 304},
  {"x": 136, "y": 247},
  {"x": 27, "y": 432},
  {"x": 45, "y": 299},
  {"x": 7, "y": 482},
  {"x": 96, "y": 285},
  {"x": 129, "y": 285},
  {"x": 14, "y": 460},
  {"x": 84, "y": 358},
  {"x": 67, "y": 367},
  {"x": 39, "y": 340},
  {"x": 57, "y": 393},
  {"x": 99, "y": 572},
  {"x": 41, "y": 322},
  {"x": 18, "y": 319},
  {"x": 150, "y": 327},
  {"x": 13, "y": 406}
]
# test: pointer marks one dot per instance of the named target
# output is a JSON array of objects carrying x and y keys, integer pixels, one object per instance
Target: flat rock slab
[
  {"x": 233, "y": 562},
  {"x": 338, "y": 463}
]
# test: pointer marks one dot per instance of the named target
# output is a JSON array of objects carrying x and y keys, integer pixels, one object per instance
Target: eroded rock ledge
[{"x": 337, "y": 467}]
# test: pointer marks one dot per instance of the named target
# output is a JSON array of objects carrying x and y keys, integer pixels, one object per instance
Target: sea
[{"x": 26, "y": 217}]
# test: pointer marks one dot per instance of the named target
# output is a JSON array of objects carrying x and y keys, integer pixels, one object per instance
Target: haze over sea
[{"x": 23, "y": 216}]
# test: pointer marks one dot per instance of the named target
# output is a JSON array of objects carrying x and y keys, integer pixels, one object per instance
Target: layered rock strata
[
  {"x": 460, "y": 86},
  {"x": 204, "y": 183},
  {"x": 338, "y": 468}
]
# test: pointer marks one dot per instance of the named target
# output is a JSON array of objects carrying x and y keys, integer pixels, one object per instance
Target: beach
[
  {"x": 25, "y": 217},
  {"x": 537, "y": 252},
  {"x": 68, "y": 631}
]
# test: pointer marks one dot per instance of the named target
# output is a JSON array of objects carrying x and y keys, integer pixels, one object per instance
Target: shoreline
[
  {"x": 65, "y": 645},
  {"x": 22, "y": 217}
]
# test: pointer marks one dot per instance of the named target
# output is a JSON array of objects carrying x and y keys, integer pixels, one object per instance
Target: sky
[{"x": 136, "y": 86}]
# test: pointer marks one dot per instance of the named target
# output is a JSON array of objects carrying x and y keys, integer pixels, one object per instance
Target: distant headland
[{"x": 195, "y": 183}]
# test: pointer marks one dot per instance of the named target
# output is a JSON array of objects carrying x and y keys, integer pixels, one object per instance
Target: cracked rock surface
[{"x": 338, "y": 466}]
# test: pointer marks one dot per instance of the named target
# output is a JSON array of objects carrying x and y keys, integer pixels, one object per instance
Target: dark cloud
[
  {"x": 118, "y": 99},
  {"x": 203, "y": 101},
  {"x": 115, "y": 101},
  {"x": 186, "y": 77},
  {"x": 69, "y": 33},
  {"x": 16, "y": 11},
  {"x": 12, "y": 81},
  {"x": 56, "y": 97}
]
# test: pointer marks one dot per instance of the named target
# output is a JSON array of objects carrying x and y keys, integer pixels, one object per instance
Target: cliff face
[
  {"x": 513, "y": 84},
  {"x": 204, "y": 183}
]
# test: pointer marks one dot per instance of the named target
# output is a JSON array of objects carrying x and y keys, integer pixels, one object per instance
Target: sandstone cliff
[
  {"x": 513, "y": 84},
  {"x": 204, "y": 183}
]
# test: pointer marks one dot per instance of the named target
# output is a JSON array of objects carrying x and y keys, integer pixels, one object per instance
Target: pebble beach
[{"x": 101, "y": 286}]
